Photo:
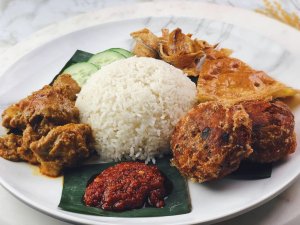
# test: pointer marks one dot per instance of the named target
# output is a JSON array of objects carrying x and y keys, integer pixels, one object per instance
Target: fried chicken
[
  {"x": 273, "y": 135},
  {"x": 64, "y": 146},
  {"x": 211, "y": 140}
]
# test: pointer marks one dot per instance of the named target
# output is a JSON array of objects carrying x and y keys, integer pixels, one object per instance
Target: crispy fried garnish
[
  {"x": 147, "y": 43},
  {"x": 179, "y": 49},
  {"x": 176, "y": 48}
]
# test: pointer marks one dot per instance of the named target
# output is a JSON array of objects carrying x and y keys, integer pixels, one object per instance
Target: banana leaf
[
  {"x": 252, "y": 171},
  {"x": 76, "y": 180},
  {"x": 79, "y": 56}
]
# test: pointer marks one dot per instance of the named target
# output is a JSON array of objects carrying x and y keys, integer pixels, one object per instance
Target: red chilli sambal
[{"x": 128, "y": 185}]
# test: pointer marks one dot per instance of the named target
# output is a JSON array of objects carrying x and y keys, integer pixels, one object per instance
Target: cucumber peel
[
  {"x": 81, "y": 71},
  {"x": 106, "y": 57},
  {"x": 122, "y": 51}
]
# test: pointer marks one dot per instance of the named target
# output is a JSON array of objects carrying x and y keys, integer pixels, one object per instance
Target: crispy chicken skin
[
  {"x": 273, "y": 136},
  {"x": 24, "y": 151},
  {"x": 147, "y": 44},
  {"x": 64, "y": 146},
  {"x": 175, "y": 47},
  {"x": 210, "y": 141},
  {"x": 8, "y": 147}
]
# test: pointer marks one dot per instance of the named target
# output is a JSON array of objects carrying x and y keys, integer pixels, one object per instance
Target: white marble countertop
[{"x": 19, "y": 19}]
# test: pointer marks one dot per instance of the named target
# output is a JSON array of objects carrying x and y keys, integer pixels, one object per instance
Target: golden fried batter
[
  {"x": 147, "y": 44},
  {"x": 230, "y": 80},
  {"x": 273, "y": 136},
  {"x": 64, "y": 146},
  {"x": 179, "y": 49},
  {"x": 8, "y": 147},
  {"x": 210, "y": 141}
]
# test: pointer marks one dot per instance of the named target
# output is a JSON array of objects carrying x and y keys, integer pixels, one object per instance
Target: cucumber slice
[
  {"x": 105, "y": 57},
  {"x": 122, "y": 51},
  {"x": 81, "y": 71}
]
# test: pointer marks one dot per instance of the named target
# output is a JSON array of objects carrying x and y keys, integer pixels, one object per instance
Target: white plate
[{"x": 210, "y": 202}]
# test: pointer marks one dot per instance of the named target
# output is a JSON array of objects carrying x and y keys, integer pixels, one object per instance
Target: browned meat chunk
[
  {"x": 9, "y": 145},
  {"x": 66, "y": 86},
  {"x": 273, "y": 135},
  {"x": 211, "y": 140},
  {"x": 64, "y": 146},
  {"x": 43, "y": 110},
  {"x": 12, "y": 118},
  {"x": 48, "y": 106},
  {"x": 51, "y": 105},
  {"x": 24, "y": 151}
]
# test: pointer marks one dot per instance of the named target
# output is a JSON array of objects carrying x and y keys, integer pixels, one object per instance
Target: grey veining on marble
[
  {"x": 21, "y": 18},
  {"x": 259, "y": 51}
]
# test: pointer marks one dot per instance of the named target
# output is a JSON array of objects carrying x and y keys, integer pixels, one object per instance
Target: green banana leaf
[
  {"x": 76, "y": 180},
  {"x": 79, "y": 56}
]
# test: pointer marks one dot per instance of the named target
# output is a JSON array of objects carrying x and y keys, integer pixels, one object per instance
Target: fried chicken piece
[
  {"x": 273, "y": 135},
  {"x": 210, "y": 141},
  {"x": 230, "y": 80},
  {"x": 8, "y": 147},
  {"x": 64, "y": 146}
]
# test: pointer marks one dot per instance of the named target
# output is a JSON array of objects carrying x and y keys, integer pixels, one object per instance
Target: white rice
[{"x": 133, "y": 105}]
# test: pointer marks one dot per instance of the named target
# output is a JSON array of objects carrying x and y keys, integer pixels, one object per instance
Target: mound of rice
[{"x": 133, "y": 105}]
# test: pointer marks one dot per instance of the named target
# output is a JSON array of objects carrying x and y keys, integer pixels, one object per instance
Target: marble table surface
[{"x": 20, "y": 19}]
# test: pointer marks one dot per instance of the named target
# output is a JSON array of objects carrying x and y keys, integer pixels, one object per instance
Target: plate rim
[{"x": 54, "y": 213}]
